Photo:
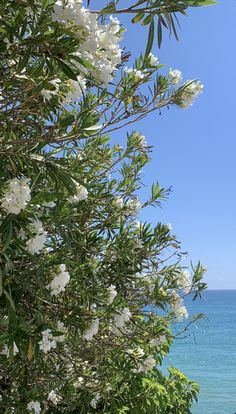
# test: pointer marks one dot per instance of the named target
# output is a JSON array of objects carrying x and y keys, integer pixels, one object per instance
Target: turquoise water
[{"x": 208, "y": 354}]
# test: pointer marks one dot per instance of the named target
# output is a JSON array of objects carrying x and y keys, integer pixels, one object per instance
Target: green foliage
[
  {"x": 79, "y": 221},
  {"x": 145, "y": 12}
]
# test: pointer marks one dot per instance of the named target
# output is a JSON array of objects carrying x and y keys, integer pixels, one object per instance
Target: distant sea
[{"x": 208, "y": 354}]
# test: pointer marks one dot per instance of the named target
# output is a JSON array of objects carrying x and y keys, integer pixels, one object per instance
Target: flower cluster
[
  {"x": 119, "y": 320},
  {"x": 175, "y": 76},
  {"x": 92, "y": 330},
  {"x": 134, "y": 74},
  {"x": 95, "y": 400},
  {"x": 17, "y": 195},
  {"x": 153, "y": 60},
  {"x": 47, "y": 342},
  {"x": 157, "y": 342},
  {"x": 81, "y": 194},
  {"x": 178, "y": 308},
  {"x": 99, "y": 43},
  {"x": 59, "y": 282},
  {"x": 184, "y": 281},
  {"x": 146, "y": 365},
  {"x": 191, "y": 91},
  {"x": 139, "y": 139},
  {"x": 112, "y": 294},
  {"x": 54, "y": 398},
  {"x": 76, "y": 89},
  {"x": 36, "y": 243},
  {"x": 134, "y": 205},
  {"x": 34, "y": 406}
]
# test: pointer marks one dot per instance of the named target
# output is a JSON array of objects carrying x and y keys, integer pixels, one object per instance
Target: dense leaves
[{"x": 88, "y": 294}]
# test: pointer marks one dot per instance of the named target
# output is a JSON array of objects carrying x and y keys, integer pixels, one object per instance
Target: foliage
[
  {"x": 87, "y": 293},
  {"x": 164, "y": 11}
]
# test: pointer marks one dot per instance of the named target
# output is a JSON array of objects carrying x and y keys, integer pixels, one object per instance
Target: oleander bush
[{"x": 88, "y": 293}]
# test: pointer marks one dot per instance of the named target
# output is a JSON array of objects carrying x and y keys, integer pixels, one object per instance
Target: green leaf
[
  {"x": 45, "y": 4},
  {"x": 138, "y": 17},
  {"x": 23, "y": 62},
  {"x": 93, "y": 128},
  {"x": 66, "y": 120},
  {"x": 173, "y": 27},
  {"x": 159, "y": 33},
  {"x": 200, "y": 3},
  {"x": 8, "y": 296},
  {"x": 150, "y": 39},
  {"x": 83, "y": 62},
  {"x": 37, "y": 70},
  {"x": 111, "y": 8},
  {"x": 0, "y": 283},
  {"x": 44, "y": 197},
  {"x": 147, "y": 20},
  {"x": 66, "y": 69}
]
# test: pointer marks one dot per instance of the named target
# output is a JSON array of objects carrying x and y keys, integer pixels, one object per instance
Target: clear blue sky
[{"x": 195, "y": 149}]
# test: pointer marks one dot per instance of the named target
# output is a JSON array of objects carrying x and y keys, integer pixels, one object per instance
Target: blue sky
[{"x": 195, "y": 149}]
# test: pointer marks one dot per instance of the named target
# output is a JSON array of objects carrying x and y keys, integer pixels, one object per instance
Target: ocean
[{"x": 208, "y": 353}]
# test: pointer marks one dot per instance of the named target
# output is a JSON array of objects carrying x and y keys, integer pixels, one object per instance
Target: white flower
[
  {"x": 141, "y": 140},
  {"x": 95, "y": 400},
  {"x": 50, "y": 204},
  {"x": 17, "y": 196},
  {"x": 36, "y": 243},
  {"x": 61, "y": 327},
  {"x": 76, "y": 90},
  {"x": 99, "y": 43},
  {"x": 134, "y": 74},
  {"x": 179, "y": 309},
  {"x": 92, "y": 330},
  {"x": 184, "y": 281},
  {"x": 191, "y": 90},
  {"x": 48, "y": 342},
  {"x": 147, "y": 365},
  {"x": 15, "y": 349},
  {"x": 153, "y": 60},
  {"x": 119, "y": 320},
  {"x": 175, "y": 76},
  {"x": 48, "y": 93},
  {"x": 6, "y": 351},
  {"x": 136, "y": 353},
  {"x": 54, "y": 398},
  {"x": 118, "y": 201},
  {"x": 34, "y": 406},
  {"x": 169, "y": 226},
  {"x": 59, "y": 282},
  {"x": 112, "y": 294},
  {"x": 157, "y": 342},
  {"x": 81, "y": 194},
  {"x": 134, "y": 206}
]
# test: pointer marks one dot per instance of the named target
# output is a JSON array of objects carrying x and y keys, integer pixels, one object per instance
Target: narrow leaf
[
  {"x": 30, "y": 350},
  {"x": 138, "y": 17},
  {"x": 66, "y": 69},
  {"x": 159, "y": 33},
  {"x": 150, "y": 39},
  {"x": 147, "y": 20},
  {"x": 109, "y": 9},
  {"x": 23, "y": 62}
]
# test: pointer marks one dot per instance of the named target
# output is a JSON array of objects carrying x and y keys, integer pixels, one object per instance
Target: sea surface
[{"x": 208, "y": 353}]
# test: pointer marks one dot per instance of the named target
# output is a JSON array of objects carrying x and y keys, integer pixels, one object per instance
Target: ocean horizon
[{"x": 207, "y": 353}]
